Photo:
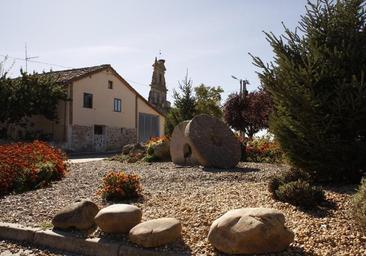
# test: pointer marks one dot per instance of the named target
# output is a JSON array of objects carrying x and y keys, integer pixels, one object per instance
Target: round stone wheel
[
  {"x": 180, "y": 150},
  {"x": 213, "y": 142}
]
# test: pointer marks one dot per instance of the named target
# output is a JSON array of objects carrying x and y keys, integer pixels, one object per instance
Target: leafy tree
[
  {"x": 30, "y": 94},
  {"x": 234, "y": 108},
  {"x": 248, "y": 113},
  {"x": 193, "y": 101},
  {"x": 184, "y": 105},
  {"x": 208, "y": 100},
  {"x": 318, "y": 85}
]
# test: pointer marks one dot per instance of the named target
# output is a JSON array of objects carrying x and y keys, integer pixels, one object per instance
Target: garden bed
[{"x": 197, "y": 196}]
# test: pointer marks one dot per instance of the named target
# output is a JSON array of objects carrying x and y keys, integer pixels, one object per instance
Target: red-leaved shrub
[
  {"x": 24, "y": 166},
  {"x": 120, "y": 185}
]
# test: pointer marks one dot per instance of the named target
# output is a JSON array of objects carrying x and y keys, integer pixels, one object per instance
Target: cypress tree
[{"x": 317, "y": 81}]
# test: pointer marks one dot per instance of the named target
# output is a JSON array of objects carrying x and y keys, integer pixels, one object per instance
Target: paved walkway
[{"x": 83, "y": 158}]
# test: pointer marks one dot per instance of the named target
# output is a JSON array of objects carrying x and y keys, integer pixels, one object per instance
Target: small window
[
  {"x": 110, "y": 84},
  {"x": 88, "y": 100},
  {"x": 117, "y": 105},
  {"x": 98, "y": 129}
]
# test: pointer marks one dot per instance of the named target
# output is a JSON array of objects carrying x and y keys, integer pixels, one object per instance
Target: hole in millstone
[{"x": 187, "y": 151}]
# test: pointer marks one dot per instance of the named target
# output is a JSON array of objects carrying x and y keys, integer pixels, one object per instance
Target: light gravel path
[{"x": 196, "y": 196}]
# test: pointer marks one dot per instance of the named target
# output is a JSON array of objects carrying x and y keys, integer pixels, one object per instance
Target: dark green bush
[
  {"x": 294, "y": 187},
  {"x": 359, "y": 206},
  {"x": 300, "y": 193},
  {"x": 318, "y": 85},
  {"x": 286, "y": 177}
]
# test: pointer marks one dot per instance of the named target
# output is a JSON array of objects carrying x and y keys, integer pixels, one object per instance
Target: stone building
[
  {"x": 104, "y": 112},
  {"x": 158, "y": 91}
]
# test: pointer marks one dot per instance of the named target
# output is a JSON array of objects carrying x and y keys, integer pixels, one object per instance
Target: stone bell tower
[{"x": 158, "y": 91}]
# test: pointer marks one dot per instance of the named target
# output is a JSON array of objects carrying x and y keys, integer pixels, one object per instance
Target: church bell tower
[{"x": 158, "y": 91}]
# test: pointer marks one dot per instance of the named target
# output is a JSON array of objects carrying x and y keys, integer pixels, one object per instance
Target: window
[
  {"x": 98, "y": 129},
  {"x": 88, "y": 100},
  {"x": 110, "y": 84},
  {"x": 117, "y": 105}
]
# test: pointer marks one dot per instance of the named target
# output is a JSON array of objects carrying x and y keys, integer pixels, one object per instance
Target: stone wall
[
  {"x": 82, "y": 138},
  {"x": 118, "y": 137}
]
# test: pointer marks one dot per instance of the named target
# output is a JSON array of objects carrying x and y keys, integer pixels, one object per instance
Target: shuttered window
[{"x": 148, "y": 126}]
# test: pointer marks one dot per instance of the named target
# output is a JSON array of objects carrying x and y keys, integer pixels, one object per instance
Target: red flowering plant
[
  {"x": 263, "y": 150},
  {"x": 119, "y": 186},
  {"x": 25, "y": 166},
  {"x": 157, "y": 140}
]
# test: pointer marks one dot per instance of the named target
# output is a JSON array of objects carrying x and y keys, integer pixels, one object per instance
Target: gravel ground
[{"x": 196, "y": 196}]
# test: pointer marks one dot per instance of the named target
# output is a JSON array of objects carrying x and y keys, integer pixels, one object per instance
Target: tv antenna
[{"x": 26, "y": 58}]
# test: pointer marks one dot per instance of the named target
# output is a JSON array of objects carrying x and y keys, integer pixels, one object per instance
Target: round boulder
[
  {"x": 180, "y": 149},
  {"x": 78, "y": 215},
  {"x": 118, "y": 218},
  {"x": 213, "y": 141},
  {"x": 158, "y": 232},
  {"x": 161, "y": 150},
  {"x": 250, "y": 231}
]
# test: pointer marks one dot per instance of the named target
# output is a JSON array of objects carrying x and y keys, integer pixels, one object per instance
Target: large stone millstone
[
  {"x": 213, "y": 142},
  {"x": 118, "y": 218},
  {"x": 78, "y": 215},
  {"x": 180, "y": 149},
  {"x": 250, "y": 231},
  {"x": 158, "y": 232}
]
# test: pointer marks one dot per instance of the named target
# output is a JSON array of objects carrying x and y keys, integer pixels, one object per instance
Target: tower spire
[{"x": 158, "y": 90}]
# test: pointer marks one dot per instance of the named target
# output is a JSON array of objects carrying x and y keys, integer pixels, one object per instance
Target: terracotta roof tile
[{"x": 64, "y": 76}]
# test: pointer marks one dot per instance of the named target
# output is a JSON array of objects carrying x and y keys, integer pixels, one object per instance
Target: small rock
[
  {"x": 78, "y": 215},
  {"x": 118, "y": 218},
  {"x": 158, "y": 232},
  {"x": 250, "y": 231}
]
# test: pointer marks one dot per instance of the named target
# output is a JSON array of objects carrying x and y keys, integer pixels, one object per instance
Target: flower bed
[
  {"x": 25, "y": 166},
  {"x": 263, "y": 150}
]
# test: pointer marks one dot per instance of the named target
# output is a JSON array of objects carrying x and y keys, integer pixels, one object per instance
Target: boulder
[
  {"x": 126, "y": 149},
  {"x": 158, "y": 232},
  {"x": 213, "y": 142},
  {"x": 135, "y": 148},
  {"x": 118, "y": 218},
  {"x": 78, "y": 215},
  {"x": 161, "y": 150},
  {"x": 250, "y": 231},
  {"x": 180, "y": 150}
]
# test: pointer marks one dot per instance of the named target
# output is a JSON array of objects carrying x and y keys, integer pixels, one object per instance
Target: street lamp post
[
  {"x": 243, "y": 92},
  {"x": 243, "y": 85}
]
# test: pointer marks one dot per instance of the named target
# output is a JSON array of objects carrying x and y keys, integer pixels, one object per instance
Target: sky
[{"x": 209, "y": 38}]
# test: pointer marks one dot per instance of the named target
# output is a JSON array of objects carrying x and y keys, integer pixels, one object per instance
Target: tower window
[
  {"x": 160, "y": 78},
  {"x": 110, "y": 84}
]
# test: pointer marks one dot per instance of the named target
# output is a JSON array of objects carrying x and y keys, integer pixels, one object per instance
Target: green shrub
[
  {"x": 119, "y": 186},
  {"x": 318, "y": 85},
  {"x": 359, "y": 205},
  {"x": 150, "y": 150},
  {"x": 300, "y": 193},
  {"x": 286, "y": 177},
  {"x": 294, "y": 187}
]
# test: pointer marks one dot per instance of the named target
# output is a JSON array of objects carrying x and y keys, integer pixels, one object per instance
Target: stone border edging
[{"x": 66, "y": 242}]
